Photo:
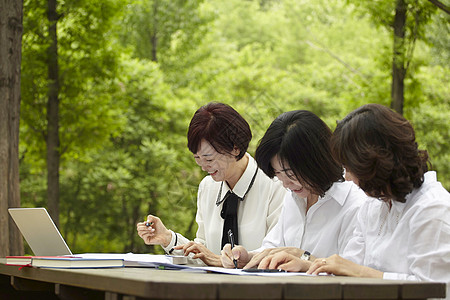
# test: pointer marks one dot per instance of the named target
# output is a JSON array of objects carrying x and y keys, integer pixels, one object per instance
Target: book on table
[
  {"x": 15, "y": 260},
  {"x": 76, "y": 262},
  {"x": 97, "y": 260}
]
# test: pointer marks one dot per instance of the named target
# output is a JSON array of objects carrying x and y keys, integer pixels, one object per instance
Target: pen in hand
[{"x": 231, "y": 240}]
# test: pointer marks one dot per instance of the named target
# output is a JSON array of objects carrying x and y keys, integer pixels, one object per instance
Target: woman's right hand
[
  {"x": 239, "y": 253},
  {"x": 154, "y": 234}
]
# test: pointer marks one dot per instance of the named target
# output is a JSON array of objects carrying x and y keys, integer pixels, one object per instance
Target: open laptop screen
[{"x": 39, "y": 231}]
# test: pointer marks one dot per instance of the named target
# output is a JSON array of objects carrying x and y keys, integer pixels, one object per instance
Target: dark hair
[
  {"x": 378, "y": 146},
  {"x": 222, "y": 126},
  {"x": 302, "y": 140}
]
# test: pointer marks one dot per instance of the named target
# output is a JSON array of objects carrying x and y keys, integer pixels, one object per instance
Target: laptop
[{"x": 39, "y": 231}]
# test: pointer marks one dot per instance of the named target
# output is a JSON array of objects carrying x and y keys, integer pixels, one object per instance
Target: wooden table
[{"x": 148, "y": 283}]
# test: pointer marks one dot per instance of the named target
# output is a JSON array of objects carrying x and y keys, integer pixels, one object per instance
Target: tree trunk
[
  {"x": 399, "y": 57},
  {"x": 154, "y": 36},
  {"x": 53, "y": 152},
  {"x": 11, "y": 16}
]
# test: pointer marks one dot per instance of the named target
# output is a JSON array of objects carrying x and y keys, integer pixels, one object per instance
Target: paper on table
[
  {"x": 240, "y": 272},
  {"x": 140, "y": 260}
]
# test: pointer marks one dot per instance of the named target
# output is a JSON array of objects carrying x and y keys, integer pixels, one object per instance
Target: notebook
[{"x": 39, "y": 231}]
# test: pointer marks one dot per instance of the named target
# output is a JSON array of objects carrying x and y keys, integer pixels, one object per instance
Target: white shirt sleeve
[
  {"x": 429, "y": 243},
  {"x": 356, "y": 247}
]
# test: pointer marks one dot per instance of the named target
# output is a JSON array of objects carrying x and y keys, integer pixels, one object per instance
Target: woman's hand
[
  {"x": 239, "y": 253},
  {"x": 286, "y": 261},
  {"x": 200, "y": 251},
  {"x": 256, "y": 259},
  {"x": 339, "y": 266},
  {"x": 154, "y": 234}
]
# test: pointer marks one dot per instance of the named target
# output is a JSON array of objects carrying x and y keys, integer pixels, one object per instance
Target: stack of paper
[{"x": 140, "y": 260}]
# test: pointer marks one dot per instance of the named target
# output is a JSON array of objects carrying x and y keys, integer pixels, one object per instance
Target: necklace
[
  {"x": 219, "y": 200},
  {"x": 397, "y": 218}
]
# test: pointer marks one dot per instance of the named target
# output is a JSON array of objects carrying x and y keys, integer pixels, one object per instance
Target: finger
[
  {"x": 312, "y": 268},
  {"x": 228, "y": 254},
  {"x": 191, "y": 249},
  {"x": 285, "y": 266},
  {"x": 225, "y": 259},
  {"x": 199, "y": 255},
  {"x": 143, "y": 235},
  {"x": 275, "y": 262},
  {"x": 226, "y": 250},
  {"x": 256, "y": 260},
  {"x": 264, "y": 264},
  {"x": 315, "y": 266},
  {"x": 227, "y": 247},
  {"x": 235, "y": 253},
  {"x": 185, "y": 246},
  {"x": 320, "y": 270}
]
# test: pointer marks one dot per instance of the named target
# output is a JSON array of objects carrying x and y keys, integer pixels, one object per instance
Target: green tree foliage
[{"x": 125, "y": 116}]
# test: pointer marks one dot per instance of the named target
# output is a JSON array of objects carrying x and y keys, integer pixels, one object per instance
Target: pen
[
  {"x": 231, "y": 240},
  {"x": 264, "y": 270}
]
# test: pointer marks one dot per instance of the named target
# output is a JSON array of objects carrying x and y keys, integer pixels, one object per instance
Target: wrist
[
  {"x": 167, "y": 238},
  {"x": 369, "y": 272},
  {"x": 217, "y": 261}
]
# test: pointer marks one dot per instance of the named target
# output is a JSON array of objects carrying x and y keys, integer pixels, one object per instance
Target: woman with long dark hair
[{"x": 319, "y": 212}]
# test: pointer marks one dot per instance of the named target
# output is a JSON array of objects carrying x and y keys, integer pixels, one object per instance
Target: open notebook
[{"x": 44, "y": 239}]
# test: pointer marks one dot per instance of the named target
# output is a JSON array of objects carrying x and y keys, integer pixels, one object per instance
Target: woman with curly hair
[{"x": 403, "y": 232}]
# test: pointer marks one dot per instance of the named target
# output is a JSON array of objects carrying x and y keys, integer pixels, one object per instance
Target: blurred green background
[{"x": 132, "y": 74}]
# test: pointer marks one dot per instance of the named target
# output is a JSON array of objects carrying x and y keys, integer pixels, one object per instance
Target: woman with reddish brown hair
[{"x": 236, "y": 195}]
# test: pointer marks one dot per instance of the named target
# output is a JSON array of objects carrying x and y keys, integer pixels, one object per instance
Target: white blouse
[
  {"x": 411, "y": 241},
  {"x": 327, "y": 226},
  {"x": 257, "y": 213}
]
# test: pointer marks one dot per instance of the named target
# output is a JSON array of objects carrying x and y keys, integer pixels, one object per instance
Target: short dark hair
[
  {"x": 378, "y": 146},
  {"x": 301, "y": 139},
  {"x": 220, "y": 125}
]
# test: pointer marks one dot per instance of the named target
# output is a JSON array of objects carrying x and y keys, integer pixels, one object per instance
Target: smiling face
[
  {"x": 221, "y": 167},
  {"x": 287, "y": 176}
]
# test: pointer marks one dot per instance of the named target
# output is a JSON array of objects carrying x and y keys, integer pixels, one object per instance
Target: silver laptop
[{"x": 39, "y": 231}]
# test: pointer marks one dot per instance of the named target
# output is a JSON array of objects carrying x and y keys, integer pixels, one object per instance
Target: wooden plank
[
  {"x": 23, "y": 284},
  {"x": 263, "y": 291},
  {"x": 19, "y": 288},
  {"x": 369, "y": 291},
  {"x": 66, "y": 292},
  {"x": 410, "y": 290},
  {"x": 312, "y": 290}
]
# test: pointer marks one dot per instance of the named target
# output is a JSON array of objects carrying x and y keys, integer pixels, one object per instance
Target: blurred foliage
[{"x": 133, "y": 73}]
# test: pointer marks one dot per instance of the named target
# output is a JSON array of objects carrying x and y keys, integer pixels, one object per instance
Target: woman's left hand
[
  {"x": 200, "y": 251},
  {"x": 340, "y": 266}
]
